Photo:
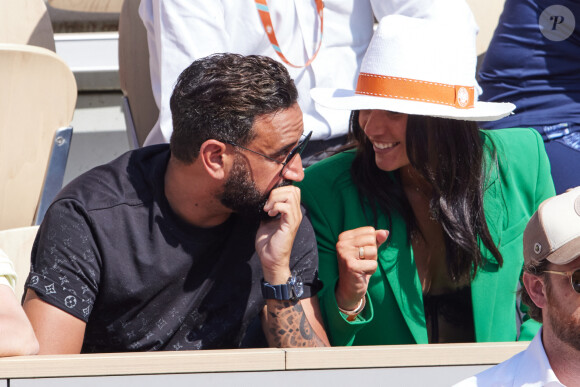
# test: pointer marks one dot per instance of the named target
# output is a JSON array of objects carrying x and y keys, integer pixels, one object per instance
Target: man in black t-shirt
[{"x": 199, "y": 244}]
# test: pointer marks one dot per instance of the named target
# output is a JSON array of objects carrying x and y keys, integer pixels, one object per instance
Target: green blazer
[{"x": 518, "y": 180}]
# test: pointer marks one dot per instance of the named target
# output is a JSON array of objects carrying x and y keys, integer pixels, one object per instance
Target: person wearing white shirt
[
  {"x": 181, "y": 31},
  {"x": 552, "y": 292},
  {"x": 16, "y": 334}
]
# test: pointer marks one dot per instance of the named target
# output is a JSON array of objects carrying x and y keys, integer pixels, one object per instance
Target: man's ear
[
  {"x": 536, "y": 287},
  {"x": 213, "y": 156}
]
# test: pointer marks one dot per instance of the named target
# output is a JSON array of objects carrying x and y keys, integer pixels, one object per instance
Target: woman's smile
[
  {"x": 387, "y": 132},
  {"x": 383, "y": 147}
]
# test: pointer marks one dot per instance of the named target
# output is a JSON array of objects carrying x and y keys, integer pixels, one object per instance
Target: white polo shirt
[{"x": 529, "y": 368}]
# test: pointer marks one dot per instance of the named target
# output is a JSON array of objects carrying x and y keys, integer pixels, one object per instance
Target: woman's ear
[
  {"x": 536, "y": 287},
  {"x": 214, "y": 158}
]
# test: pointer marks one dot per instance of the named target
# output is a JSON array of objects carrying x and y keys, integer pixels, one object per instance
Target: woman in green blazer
[{"x": 419, "y": 228}]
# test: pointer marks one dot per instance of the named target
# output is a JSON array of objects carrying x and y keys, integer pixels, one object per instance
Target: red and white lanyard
[{"x": 264, "y": 13}]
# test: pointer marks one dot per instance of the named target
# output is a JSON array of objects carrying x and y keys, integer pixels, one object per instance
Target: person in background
[
  {"x": 552, "y": 292},
  {"x": 320, "y": 43},
  {"x": 419, "y": 227},
  {"x": 16, "y": 334},
  {"x": 533, "y": 60},
  {"x": 199, "y": 244}
]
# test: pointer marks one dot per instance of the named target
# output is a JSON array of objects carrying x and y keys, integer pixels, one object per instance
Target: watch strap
[{"x": 291, "y": 290}]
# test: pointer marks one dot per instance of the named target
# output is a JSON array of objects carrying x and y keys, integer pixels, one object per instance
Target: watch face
[
  {"x": 297, "y": 286},
  {"x": 291, "y": 290}
]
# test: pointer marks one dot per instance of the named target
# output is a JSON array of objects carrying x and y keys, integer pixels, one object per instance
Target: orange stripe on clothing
[{"x": 264, "y": 13}]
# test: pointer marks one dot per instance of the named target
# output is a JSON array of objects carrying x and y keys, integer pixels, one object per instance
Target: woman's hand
[{"x": 356, "y": 252}]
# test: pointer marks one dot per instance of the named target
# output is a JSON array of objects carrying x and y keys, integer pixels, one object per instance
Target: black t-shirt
[{"x": 111, "y": 252}]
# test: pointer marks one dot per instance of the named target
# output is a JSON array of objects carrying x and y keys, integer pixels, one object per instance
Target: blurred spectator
[
  {"x": 533, "y": 61},
  {"x": 16, "y": 335},
  {"x": 180, "y": 31}
]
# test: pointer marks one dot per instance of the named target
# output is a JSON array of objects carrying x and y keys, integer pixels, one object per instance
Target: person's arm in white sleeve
[{"x": 179, "y": 32}]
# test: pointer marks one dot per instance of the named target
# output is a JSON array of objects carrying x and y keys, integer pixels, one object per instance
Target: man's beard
[
  {"x": 241, "y": 195},
  {"x": 566, "y": 327}
]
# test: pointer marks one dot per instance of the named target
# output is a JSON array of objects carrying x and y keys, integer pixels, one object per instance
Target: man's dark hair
[
  {"x": 220, "y": 96},
  {"x": 537, "y": 269}
]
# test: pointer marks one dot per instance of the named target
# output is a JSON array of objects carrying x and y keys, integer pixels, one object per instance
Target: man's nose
[{"x": 294, "y": 170}]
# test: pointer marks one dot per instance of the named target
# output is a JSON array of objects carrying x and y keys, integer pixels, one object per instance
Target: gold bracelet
[{"x": 353, "y": 313}]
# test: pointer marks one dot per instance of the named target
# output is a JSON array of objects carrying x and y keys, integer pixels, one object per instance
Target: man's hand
[
  {"x": 286, "y": 323},
  {"x": 275, "y": 237},
  {"x": 356, "y": 252}
]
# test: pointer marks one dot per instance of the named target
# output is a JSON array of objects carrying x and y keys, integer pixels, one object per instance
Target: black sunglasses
[
  {"x": 573, "y": 275},
  {"x": 297, "y": 150}
]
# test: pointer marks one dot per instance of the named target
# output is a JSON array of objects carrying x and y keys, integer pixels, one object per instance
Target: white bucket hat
[{"x": 417, "y": 66}]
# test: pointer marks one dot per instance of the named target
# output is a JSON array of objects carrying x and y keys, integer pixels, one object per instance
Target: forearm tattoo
[{"x": 288, "y": 327}]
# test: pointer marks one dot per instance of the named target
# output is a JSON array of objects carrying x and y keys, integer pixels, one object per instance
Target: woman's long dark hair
[{"x": 448, "y": 154}]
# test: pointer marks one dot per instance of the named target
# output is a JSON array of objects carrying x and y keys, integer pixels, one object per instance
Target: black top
[
  {"x": 111, "y": 252},
  {"x": 449, "y": 316}
]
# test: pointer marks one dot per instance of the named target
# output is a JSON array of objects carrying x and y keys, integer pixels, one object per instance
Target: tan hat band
[{"x": 461, "y": 97}]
